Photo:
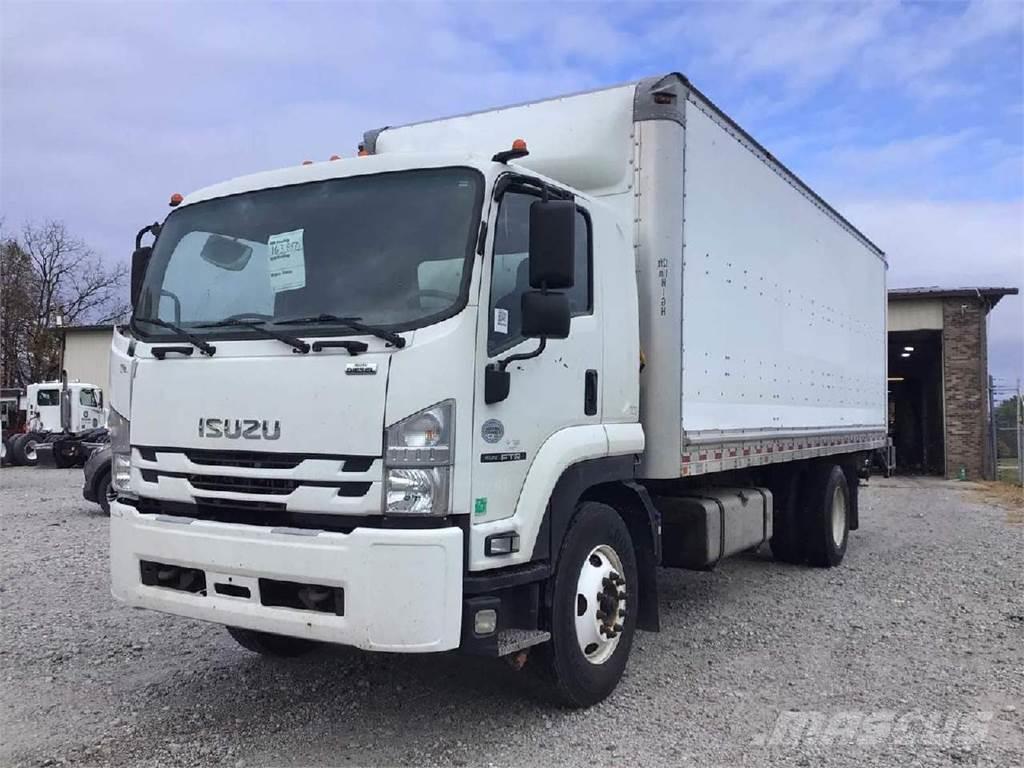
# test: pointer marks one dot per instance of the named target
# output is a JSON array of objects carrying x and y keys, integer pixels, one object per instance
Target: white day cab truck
[
  {"x": 466, "y": 391},
  {"x": 60, "y": 417}
]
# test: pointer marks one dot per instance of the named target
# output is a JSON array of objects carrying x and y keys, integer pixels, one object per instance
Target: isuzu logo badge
[
  {"x": 247, "y": 429},
  {"x": 360, "y": 369}
]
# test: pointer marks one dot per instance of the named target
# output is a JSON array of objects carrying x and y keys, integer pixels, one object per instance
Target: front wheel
[
  {"x": 593, "y": 610},
  {"x": 24, "y": 449},
  {"x": 103, "y": 493},
  {"x": 267, "y": 644}
]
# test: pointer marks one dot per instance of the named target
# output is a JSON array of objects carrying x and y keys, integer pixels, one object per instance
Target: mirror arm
[
  {"x": 503, "y": 364},
  {"x": 154, "y": 228}
]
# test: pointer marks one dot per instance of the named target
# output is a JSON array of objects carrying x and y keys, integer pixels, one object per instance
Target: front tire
[
  {"x": 24, "y": 449},
  {"x": 266, "y": 644},
  {"x": 103, "y": 493},
  {"x": 827, "y": 509},
  {"x": 593, "y": 610}
]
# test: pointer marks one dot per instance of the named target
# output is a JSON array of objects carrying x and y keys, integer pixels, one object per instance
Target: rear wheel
[
  {"x": 787, "y": 540},
  {"x": 266, "y": 644},
  {"x": 827, "y": 515},
  {"x": 593, "y": 610}
]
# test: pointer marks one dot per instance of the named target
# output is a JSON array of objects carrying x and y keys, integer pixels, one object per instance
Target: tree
[
  {"x": 1005, "y": 423},
  {"x": 50, "y": 279}
]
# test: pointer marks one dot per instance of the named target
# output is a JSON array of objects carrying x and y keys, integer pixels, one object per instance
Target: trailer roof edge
[{"x": 646, "y": 106}]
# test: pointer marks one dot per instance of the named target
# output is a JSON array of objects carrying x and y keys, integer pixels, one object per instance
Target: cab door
[{"x": 556, "y": 390}]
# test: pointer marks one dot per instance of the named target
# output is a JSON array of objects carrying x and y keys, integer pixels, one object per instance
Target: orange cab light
[
  {"x": 519, "y": 144},
  {"x": 335, "y": 157},
  {"x": 176, "y": 199},
  {"x": 363, "y": 152}
]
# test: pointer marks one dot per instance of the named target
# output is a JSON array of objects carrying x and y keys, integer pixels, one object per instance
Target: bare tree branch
[{"x": 48, "y": 274}]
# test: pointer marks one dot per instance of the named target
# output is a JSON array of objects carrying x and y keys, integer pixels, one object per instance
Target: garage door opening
[{"x": 915, "y": 401}]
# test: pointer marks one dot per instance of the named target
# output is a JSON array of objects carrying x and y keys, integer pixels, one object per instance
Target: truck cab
[
  {"x": 329, "y": 426},
  {"x": 84, "y": 405}
]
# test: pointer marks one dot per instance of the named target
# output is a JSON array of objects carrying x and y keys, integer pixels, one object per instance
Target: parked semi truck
[
  {"x": 471, "y": 388},
  {"x": 59, "y": 420}
]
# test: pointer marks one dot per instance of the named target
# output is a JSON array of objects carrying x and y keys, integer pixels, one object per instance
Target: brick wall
[{"x": 965, "y": 369}]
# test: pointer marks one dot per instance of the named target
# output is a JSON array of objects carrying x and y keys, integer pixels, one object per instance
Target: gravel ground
[{"x": 911, "y": 653}]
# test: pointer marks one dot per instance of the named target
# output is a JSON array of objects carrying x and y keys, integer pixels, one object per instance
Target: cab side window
[
  {"x": 48, "y": 397},
  {"x": 510, "y": 272}
]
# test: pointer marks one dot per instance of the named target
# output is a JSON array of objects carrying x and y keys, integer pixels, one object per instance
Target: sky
[{"x": 908, "y": 117}]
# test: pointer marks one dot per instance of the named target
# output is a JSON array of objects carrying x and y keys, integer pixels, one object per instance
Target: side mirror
[
  {"x": 552, "y": 244},
  {"x": 545, "y": 315},
  {"x": 140, "y": 261}
]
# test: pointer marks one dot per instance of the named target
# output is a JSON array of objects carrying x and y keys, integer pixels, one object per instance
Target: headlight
[
  {"x": 418, "y": 455},
  {"x": 417, "y": 491},
  {"x": 120, "y": 453}
]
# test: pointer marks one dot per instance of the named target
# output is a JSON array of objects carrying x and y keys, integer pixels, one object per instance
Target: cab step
[{"x": 513, "y": 640}]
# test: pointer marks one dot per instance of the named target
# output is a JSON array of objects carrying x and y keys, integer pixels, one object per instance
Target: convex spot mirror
[
  {"x": 226, "y": 253},
  {"x": 545, "y": 315}
]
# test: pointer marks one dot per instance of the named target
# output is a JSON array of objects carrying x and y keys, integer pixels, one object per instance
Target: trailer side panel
[{"x": 783, "y": 329}]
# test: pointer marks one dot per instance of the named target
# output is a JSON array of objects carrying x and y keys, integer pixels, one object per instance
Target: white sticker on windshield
[
  {"x": 500, "y": 320},
  {"x": 287, "y": 261}
]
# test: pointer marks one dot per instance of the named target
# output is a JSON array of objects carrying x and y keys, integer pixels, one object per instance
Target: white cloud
[{"x": 895, "y": 156}]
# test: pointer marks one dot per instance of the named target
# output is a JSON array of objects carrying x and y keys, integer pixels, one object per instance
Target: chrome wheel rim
[
  {"x": 600, "y": 604},
  {"x": 30, "y": 450},
  {"x": 838, "y": 517}
]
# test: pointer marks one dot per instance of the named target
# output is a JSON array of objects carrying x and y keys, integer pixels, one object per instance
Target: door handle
[{"x": 590, "y": 392}]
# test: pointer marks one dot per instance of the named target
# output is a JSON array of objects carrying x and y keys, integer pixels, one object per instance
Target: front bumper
[{"x": 402, "y": 588}]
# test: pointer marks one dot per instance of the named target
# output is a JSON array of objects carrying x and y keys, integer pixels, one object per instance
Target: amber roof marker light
[
  {"x": 176, "y": 199},
  {"x": 518, "y": 150}
]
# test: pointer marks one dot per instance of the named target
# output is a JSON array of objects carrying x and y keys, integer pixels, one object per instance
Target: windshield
[{"x": 393, "y": 250}]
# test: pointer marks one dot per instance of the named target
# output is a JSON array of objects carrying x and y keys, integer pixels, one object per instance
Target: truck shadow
[{"x": 341, "y": 705}]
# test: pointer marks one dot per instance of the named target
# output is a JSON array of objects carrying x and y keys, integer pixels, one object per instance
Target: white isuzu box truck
[{"x": 473, "y": 387}]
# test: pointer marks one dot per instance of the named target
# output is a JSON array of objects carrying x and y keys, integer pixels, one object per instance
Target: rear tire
[
  {"x": 593, "y": 611},
  {"x": 787, "y": 540},
  {"x": 266, "y": 644},
  {"x": 827, "y": 507}
]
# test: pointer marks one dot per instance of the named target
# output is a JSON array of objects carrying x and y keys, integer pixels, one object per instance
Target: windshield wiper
[
  {"x": 195, "y": 341},
  {"x": 298, "y": 344},
  {"x": 349, "y": 322}
]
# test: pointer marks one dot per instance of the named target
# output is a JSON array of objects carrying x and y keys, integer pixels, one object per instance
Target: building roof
[
  {"x": 79, "y": 328},
  {"x": 991, "y": 294}
]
